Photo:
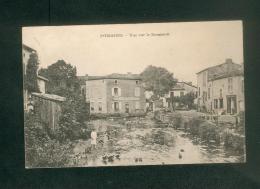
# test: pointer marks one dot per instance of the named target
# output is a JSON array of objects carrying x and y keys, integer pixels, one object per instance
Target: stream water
[{"x": 143, "y": 141}]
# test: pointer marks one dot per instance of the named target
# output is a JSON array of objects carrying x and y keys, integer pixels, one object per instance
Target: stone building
[
  {"x": 221, "y": 88},
  {"x": 180, "y": 89},
  {"x": 114, "y": 93},
  {"x": 26, "y": 52}
]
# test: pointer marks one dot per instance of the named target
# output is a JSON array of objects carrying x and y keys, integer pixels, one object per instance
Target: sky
[{"x": 183, "y": 48}]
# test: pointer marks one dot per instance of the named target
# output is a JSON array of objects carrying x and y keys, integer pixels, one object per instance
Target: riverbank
[
  {"x": 210, "y": 131},
  {"x": 146, "y": 141}
]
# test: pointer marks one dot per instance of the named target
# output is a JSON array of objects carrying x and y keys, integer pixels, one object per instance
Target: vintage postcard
[{"x": 134, "y": 94}]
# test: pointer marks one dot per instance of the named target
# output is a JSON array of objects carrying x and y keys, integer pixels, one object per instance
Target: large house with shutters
[
  {"x": 114, "y": 93},
  {"x": 221, "y": 88}
]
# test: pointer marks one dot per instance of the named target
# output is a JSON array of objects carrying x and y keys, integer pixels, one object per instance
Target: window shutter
[
  {"x": 119, "y": 91},
  {"x": 120, "y": 105},
  {"x": 113, "y": 92}
]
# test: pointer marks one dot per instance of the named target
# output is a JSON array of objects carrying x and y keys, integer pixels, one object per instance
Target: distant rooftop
[
  {"x": 179, "y": 85},
  {"x": 28, "y": 48},
  {"x": 187, "y": 83},
  {"x": 226, "y": 69},
  {"x": 50, "y": 97},
  {"x": 128, "y": 76}
]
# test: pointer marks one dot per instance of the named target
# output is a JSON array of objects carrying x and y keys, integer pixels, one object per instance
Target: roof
[
  {"x": 179, "y": 86},
  {"x": 128, "y": 76},
  {"x": 227, "y": 74},
  {"x": 28, "y": 48},
  {"x": 42, "y": 78},
  {"x": 228, "y": 61},
  {"x": 227, "y": 69},
  {"x": 50, "y": 97},
  {"x": 186, "y": 83}
]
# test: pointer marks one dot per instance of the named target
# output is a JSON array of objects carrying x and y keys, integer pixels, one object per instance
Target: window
[
  {"x": 204, "y": 78},
  {"x": 100, "y": 106},
  {"x": 137, "y": 91},
  {"x": 204, "y": 97},
  {"x": 116, "y": 91},
  {"x": 199, "y": 91},
  {"x": 220, "y": 93},
  {"x": 230, "y": 84},
  {"x": 216, "y": 103},
  {"x": 208, "y": 93},
  {"x": 221, "y": 103},
  {"x": 92, "y": 106},
  {"x": 116, "y": 106},
  {"x": 115, "y": 81},
  {"x": 181, "y": 93},
  {"x": 172, "y": 94},
  {"x": 137, "y": 105},
  {"x": 126, "y": 108},
  {"x": 137, "y": 82}
]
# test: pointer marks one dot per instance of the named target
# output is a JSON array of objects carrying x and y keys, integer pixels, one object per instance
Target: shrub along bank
[
  {"x": 206, "y": 130},
  {"x": 41, "y": 149},
  {"x": 210, "y": 132}
]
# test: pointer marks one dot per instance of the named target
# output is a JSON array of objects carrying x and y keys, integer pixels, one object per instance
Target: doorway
[{"x": 231, "y": 104}]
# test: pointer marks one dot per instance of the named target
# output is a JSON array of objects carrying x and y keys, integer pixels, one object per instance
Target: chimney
[{"x": 229, "y": 60}]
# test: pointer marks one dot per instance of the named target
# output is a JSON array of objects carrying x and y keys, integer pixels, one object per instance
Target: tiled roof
[
  {"x": 112, "y": 76},
  {"x": 224, "y": 70},
  {"x": 28, "y": 48},
  {"x": 50, "y": 96},
  {"x": 186, "y": 83},
  {"x": 226, "y": 74}
]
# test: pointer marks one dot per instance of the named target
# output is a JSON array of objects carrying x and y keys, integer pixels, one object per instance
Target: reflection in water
[{"x": 140, "y": 141}]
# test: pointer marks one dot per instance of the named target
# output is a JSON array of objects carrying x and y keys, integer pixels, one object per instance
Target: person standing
[{"x": 93, "y": 136}]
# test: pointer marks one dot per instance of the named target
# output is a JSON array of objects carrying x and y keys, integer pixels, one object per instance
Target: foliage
[
  {"x": 185, "y": 100},
  {"x": 63, "y": 81},
  {"x": 176, "y": 119},
  {"x": 74, "y": 114},
  {"x": 234, "y": 141},
  {"x": 209, "y": 132},
  {"x": 30, "y": 80},
  {"x": 188, "y": 99},
  {"x": 158, "y": 79},
  {"x": 41, "y": 150},
  {"x": 241, "y": 123},
  {"x": 62, "y": 78}
]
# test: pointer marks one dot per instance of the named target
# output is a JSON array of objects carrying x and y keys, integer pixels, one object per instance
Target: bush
[
  {"x": 194, "y": 125},
  {"x": 234, "y": 141},
  {"x": 208, "y": 132},
  {"x": 40, "y": 149},
  {"x": 72, "y": 119}
]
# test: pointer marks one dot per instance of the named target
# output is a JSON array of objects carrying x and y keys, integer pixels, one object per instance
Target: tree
[
  {"x": 63, "y": 81},
  {"x": 30, "y": 82},
  {"x": 62, "y": 78},
  {"x": 158, "y": 79},
  {"x": 188, "y": 99}
]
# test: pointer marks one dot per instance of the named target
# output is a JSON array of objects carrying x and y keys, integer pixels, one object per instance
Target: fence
[{"x": 48, "y": 107}]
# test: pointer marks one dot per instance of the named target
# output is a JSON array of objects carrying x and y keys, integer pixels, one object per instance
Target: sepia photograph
[{"x": 133, "y": 94}]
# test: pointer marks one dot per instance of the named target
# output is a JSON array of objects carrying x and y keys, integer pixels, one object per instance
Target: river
[{"x": 143, "y": 141}]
